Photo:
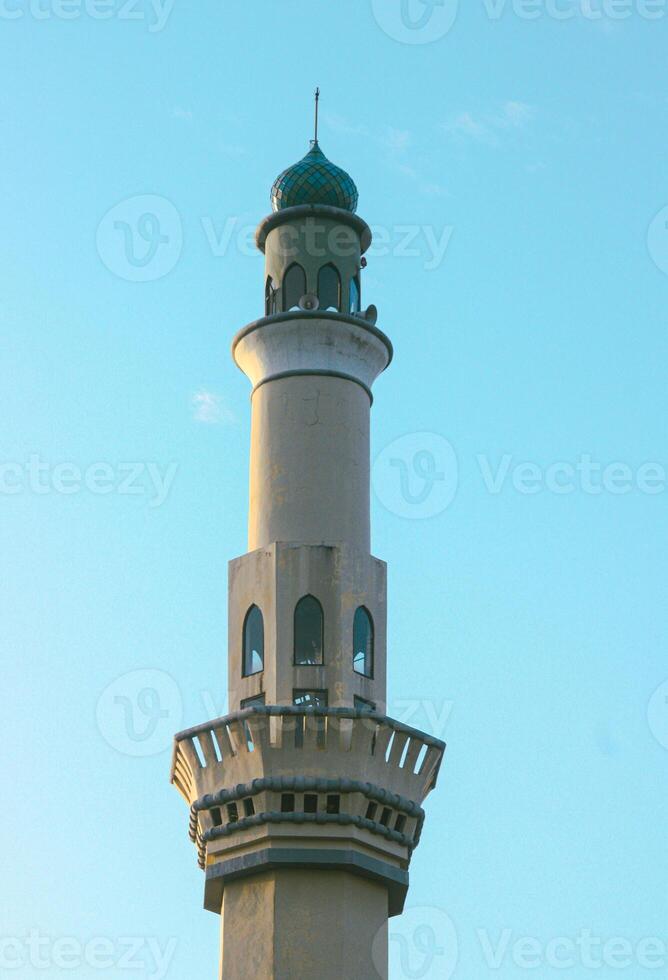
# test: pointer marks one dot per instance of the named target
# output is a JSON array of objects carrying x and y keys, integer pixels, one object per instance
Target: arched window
[
  {"x": 309, "y": 631},
  {"x": 355, "y": 295},
  {"x": 329, "y": 288},
  {"x": 294, "y": 287},
  {"x": 363, "y": 642},
  {"x": 253, "y": 644},
  {"x": 270, "y": 297}
]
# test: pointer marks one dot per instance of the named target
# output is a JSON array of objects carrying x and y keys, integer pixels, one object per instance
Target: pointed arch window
[
  {"x": 329, "y": 288},
  {"x": 253, "y": 642},
  {"x": 355, "y": 294},
  {"x": 309, "y": 631},
  {"x": 294, "y": 286},
  {"x": 270, "y": 297},
  {"x": 363, "y": 642}
]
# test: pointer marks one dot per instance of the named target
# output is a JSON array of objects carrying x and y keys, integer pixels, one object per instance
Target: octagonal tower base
[{"x": 304, "y": 923}]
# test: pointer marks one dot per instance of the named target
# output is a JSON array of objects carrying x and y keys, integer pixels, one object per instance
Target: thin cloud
[
  {"x": 210, "y": 409},
  {"x": 180, "y": 113},
  {"x": 393, "y": 144},
  {"x": 234, "y": 150},
  {"x": 434, "y": 190},
  {"x": 515, "y": 114},
  {"x": 489, "y": 127},
  {"x": 396, "y": 139},
  {"x": 339, "y": 124}
]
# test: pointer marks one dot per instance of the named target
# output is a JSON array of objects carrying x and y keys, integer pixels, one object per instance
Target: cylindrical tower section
[
  {"x": 312, "y": 361},
  {"x": 309, "y": 471}
]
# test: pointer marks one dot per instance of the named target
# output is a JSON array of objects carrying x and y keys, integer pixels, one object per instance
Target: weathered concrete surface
[
  {"x": 275, "y": 578},
  {"x": 304, "y": 925},
  {"x": 310, "y": 463}
]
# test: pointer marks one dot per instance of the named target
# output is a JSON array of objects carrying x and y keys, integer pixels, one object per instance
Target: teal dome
[{"x": 314, "y": 180}]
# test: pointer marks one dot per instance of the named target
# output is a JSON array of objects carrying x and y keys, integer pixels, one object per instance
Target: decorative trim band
[
  {"x": 289, "y": 710},
  {"x": 303, "y": 784},
  {"x": 300, "y": 211},
  {"x": 356, "y": 321},
  {"x": 326, "y": 859},
  {"x": 343, "y": 819},
  {"x": 308, "y": 784},
  {"x": 305, "y": 372}
]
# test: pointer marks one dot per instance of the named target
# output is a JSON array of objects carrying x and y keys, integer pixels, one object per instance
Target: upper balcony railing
[{"x": 308, "y": 742}]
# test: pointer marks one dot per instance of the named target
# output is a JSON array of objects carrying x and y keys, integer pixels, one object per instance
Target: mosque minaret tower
[{"x": 306, "y": 801}]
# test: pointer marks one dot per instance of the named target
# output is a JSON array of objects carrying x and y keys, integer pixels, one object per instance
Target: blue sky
[{"x": 514, "y": 169}]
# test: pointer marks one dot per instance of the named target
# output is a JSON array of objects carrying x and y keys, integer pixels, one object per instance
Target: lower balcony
[{"x": 284, "y": 786}]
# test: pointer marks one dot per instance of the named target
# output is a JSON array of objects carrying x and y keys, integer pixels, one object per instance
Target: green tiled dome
[{"x": 314, "y": 180}]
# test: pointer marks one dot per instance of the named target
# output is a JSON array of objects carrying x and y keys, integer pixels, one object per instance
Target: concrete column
[
  {"x": 304, "y": 925},
  {"x": 309, "y": 471}
]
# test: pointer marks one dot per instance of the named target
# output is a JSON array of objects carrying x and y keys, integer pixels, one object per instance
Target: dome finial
[
  {"x": 317, "y": 108},
  {"x": 314, "y": 179}
]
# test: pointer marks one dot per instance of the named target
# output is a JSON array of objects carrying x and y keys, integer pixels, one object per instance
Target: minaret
[{"x": 306, "y": 801}]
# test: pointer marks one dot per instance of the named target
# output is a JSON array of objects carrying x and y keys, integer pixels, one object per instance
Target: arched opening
[
  {"x": 329, "y": 288},
  {"x": 355, "y": 294},
  {"x": 363, "y": 642},
  {"x": 309, "y": 631},
  {"x": 294, "y": 287},
  {"x": 270, "y": 297},
  {"x": 253, "y": 642}
]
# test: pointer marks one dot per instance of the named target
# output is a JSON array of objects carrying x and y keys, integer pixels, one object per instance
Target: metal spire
[{"x": 317, "y": 110}]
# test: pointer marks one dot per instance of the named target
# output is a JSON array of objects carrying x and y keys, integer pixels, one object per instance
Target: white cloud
[
  {"x": 515, "y": 114},
  {"x": 487, "y": 127},
  {"x": 180, "y": 113},
  {"x": 210, "y": 409},
  {"x": 396, "y": 139},
  {"x": 393, "y": 143}
]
